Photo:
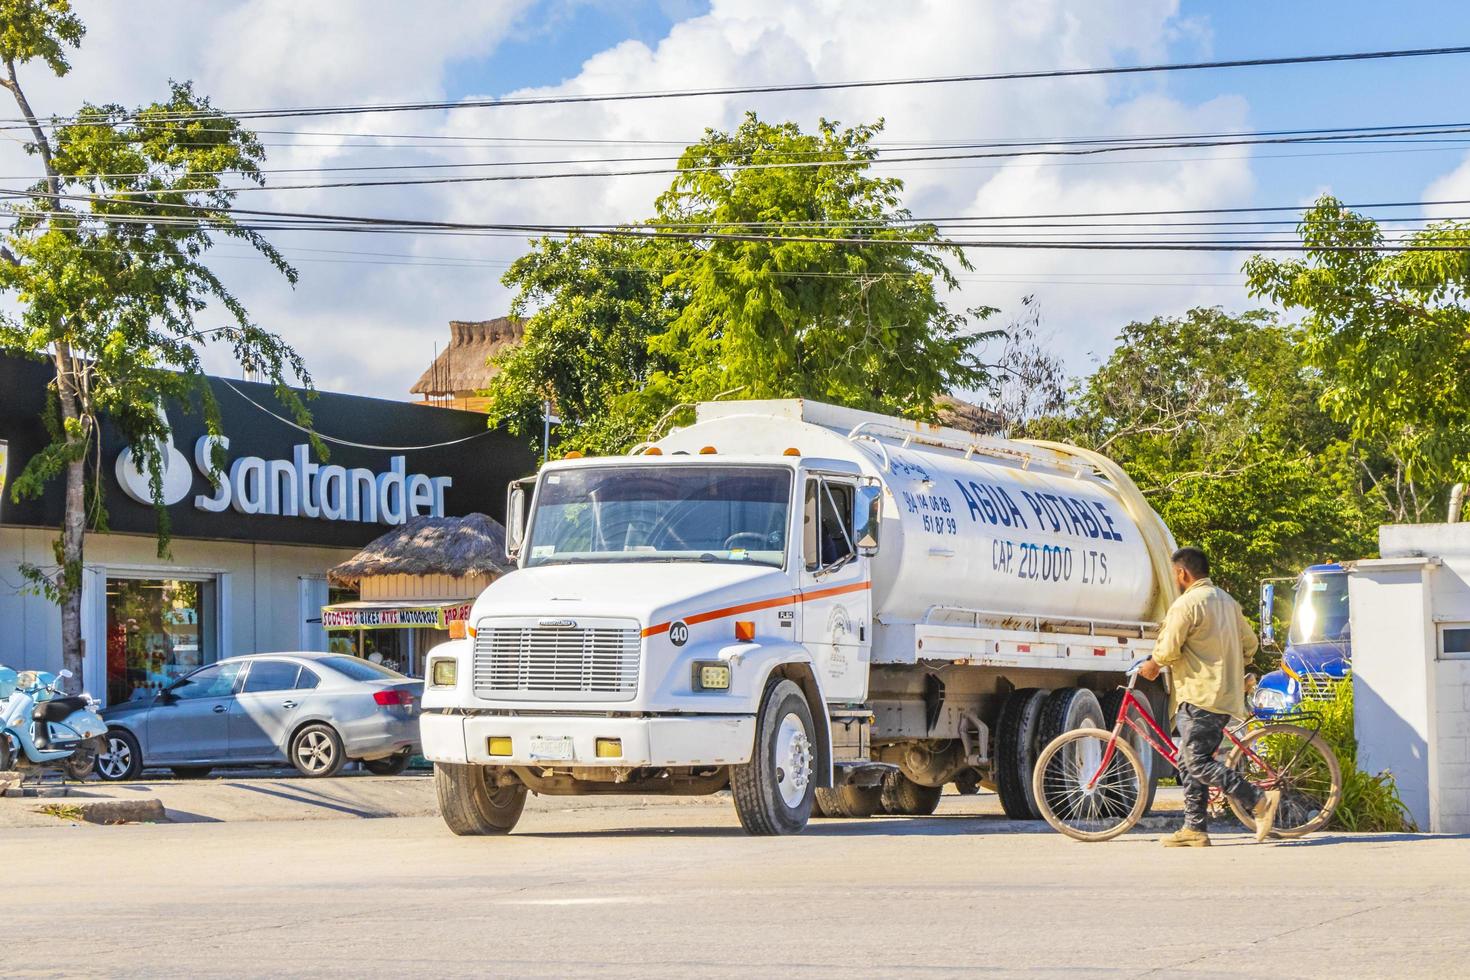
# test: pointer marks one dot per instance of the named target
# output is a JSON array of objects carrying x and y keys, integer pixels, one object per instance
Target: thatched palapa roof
[
  {"x": 959, "y": 414},
  {"x": 465, "y": 364},
  {"x": 469, "y": 545}
]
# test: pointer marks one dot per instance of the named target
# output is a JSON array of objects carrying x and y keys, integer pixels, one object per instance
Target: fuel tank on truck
[{"x": 972, "y": 522}]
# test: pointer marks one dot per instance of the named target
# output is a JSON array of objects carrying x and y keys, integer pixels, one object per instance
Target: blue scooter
[{"x": 42, "y": 727}]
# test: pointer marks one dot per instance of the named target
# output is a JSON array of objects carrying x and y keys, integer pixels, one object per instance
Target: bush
[{"x": 1369, "y": 803}]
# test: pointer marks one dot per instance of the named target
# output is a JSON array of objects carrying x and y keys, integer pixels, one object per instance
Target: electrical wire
[{"x": 570, "y": 99}]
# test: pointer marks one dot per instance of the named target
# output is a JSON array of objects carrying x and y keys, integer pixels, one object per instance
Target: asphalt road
[{"x": 673, "y": 888}]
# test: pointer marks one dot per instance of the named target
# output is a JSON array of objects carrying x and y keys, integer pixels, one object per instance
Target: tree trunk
[{"x": 73, "y": 522}]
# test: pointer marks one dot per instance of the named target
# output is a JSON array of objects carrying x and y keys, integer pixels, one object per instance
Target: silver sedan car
[{"x": 314, "y": 710}]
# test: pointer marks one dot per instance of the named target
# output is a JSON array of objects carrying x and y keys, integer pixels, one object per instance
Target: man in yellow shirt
[{"x": 1204, "y": 642}]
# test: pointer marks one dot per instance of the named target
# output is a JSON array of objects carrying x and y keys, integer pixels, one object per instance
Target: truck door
[{"x": 835, "y": 623}]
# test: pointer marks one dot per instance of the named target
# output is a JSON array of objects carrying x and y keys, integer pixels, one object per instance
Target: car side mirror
[
  {"x": 1268, "y": 606},
  {"x": 867, "y": 516},
  {"x": 517, "y": 513}
]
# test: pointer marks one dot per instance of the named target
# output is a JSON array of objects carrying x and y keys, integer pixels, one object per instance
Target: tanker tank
[{"x": 970, "y": 522}]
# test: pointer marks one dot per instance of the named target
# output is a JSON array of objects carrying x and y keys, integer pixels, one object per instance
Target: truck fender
[
  {"x": 794, "y": 663},
  {"x": 450, "y": 697}
]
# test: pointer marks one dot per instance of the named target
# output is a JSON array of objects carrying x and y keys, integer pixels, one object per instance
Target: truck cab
[{"x": 1318, "y": 651}]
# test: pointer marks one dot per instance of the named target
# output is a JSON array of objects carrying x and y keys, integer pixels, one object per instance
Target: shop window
[
  {"x": 1454, "y": 641},
  {"x": 158, "y": 630}
]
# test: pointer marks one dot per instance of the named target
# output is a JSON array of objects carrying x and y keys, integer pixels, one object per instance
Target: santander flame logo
[{"x": 177, "y": 475}]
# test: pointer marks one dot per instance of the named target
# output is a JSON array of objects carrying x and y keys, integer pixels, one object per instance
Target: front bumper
[{"x": 684, "y": 740}]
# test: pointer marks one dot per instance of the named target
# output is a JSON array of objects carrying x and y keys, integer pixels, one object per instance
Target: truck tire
[
  {"x": 470, "y": 806},
  {"x": 1066, "y": 709},
  {"x": 847, "y": 801},
  {"x": 774, "y": 791},
  {"x": 1153, "y": 763},
  {"x": 1015, "y": 751},
  {"x": 905, "y": 798}
]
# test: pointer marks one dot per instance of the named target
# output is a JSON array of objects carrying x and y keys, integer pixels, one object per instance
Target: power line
[{"x": 345, "y": 110}]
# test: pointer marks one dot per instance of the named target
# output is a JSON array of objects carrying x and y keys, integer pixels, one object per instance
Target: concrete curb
[
  {"x": 109, "y": 811},
  {"x": 9, "y": 779}
]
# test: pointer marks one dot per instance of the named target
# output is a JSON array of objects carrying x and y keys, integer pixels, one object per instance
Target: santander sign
[{"x": 295, "y": 487}]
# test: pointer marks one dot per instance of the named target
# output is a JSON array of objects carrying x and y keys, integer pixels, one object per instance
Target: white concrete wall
[
  {"x": 1391, "y": 676},
  {"x": 260, "y": 598},
  {"x": 1413, "y": 702}
]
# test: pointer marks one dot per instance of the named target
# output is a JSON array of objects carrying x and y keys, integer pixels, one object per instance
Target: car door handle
[
  {"x": 220, "y": 709},
  {"x": 288, "y": 704}
]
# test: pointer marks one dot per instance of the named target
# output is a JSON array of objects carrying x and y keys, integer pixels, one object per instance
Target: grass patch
[{"x": 63, "y": 811}]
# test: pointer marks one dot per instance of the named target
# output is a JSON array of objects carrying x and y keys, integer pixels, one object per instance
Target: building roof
[
  {"x": 959, "y": 414},
  {"x": 465, "y": 364},
  {"x": 462, "y": 546}
]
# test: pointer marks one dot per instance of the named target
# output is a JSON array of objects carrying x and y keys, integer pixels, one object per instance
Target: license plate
[{"x": 552, "y": 749}]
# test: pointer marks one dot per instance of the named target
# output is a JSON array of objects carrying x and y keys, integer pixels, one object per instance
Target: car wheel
[
  {"x": 192, "y": 772},
  {"x": 392, "y": 765},
  {"x": 120, "y": 758},
  {"x": 316, "y": 751}
]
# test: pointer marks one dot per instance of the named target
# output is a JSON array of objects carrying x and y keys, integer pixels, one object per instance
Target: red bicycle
[{"x": 1091, "y": 785}]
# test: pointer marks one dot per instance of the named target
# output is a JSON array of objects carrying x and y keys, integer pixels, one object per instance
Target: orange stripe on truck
[{"x": 783, "y": 600}]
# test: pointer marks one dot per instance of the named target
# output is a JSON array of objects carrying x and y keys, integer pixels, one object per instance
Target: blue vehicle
[
  {"x": 1318, "y": 652},
  {"x": 41, "y": 727}
]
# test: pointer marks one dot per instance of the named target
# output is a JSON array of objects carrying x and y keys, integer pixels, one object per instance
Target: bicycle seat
[{"x": 57, "y": 709}]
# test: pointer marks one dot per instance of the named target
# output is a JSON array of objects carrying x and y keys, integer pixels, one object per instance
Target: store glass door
[{"x": 157, "y": 631}]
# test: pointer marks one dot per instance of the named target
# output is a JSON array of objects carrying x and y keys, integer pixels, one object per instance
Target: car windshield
[
  {"x": 661, "y": 513},
  {"x": 1321, "y": 612},
  {"x": 361, "y": 670}
]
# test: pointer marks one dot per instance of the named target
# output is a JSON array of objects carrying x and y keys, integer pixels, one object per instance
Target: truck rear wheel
[
  {"x": 1015, "y": 751},
  {"x": 905, "y": 798},
  {"x": 1066, "y": 709},
  {"x": 471, "y": 806},
  {"x": 1153, "y": 763},
  {"x": 847, "y": 801},
  {"x": 775, "y": 789}
]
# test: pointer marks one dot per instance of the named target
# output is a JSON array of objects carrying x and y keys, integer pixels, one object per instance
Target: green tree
[
  {"x": 1389, "y": 333},
  {"x": 106, "y": 258},
  {"x": 1216, "y": 418},
  {"x": 766, "y": 297}
]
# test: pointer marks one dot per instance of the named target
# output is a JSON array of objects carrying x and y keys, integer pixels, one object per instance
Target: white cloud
[
  {"x": 370, "y": 328},
  {"x": 1453, "y": 186}
]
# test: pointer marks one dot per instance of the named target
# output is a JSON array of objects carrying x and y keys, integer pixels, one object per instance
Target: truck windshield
[
  {"x": 661, "y": 513},
  {"x": 1321, "y": 612}
]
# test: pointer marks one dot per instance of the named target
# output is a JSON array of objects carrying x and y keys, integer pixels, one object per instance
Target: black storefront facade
[{"x": 248, "y": 559}]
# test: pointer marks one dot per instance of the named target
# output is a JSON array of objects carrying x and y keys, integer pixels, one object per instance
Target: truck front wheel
[
  {"x": 774, "y": 790},
  {"x": 471, "y": 806}
]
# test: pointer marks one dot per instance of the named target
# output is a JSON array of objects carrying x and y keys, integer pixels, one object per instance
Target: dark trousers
[{"x": 1200, "y": 734}]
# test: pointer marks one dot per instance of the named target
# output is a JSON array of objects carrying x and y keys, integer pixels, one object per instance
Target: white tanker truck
[{"x": 821, "y": 609}]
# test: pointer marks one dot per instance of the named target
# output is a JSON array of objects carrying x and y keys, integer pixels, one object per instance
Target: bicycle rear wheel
[
  {"x": 1301, "y": 765},
  {"x": 1084, "y": 797}
]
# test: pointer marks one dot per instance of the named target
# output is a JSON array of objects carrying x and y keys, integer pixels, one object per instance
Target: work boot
[
  {"x": 1265, "y": 813},
  {"x": 1187, "y": 837}
]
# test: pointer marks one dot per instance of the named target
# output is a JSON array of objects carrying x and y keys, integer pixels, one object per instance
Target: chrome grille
[
  {"x": 537, "y": 663},
  {"x": 1319, "y": 687}
]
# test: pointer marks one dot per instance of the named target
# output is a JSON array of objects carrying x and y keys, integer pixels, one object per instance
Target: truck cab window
[{"x": 827, "y": 523}]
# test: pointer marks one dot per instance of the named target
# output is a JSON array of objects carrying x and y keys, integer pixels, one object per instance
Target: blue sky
[{"x": 370, "y": 322}]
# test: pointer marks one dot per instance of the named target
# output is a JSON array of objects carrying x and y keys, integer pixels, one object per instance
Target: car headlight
[
  {"x": 1269, "y": 699},
  {"x": 444, "y": 673}
]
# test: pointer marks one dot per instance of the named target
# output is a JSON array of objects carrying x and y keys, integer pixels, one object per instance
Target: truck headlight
[
  {"x": 711, "y": 675},
  {"x": 1269, "y": 700},
  {"x": 444, "y": 673}
]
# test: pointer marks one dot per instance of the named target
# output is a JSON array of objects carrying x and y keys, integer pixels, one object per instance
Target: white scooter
[{"x": 42, "y": 727}]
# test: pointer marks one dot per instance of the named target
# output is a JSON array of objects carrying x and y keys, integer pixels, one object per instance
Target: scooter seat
[{"x": 57, "y": 709}]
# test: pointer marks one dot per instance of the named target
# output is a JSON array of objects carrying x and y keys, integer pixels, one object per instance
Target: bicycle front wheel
[
  {"x": 1086, "y": 791},
  {"x": 1301, "y": 765}
]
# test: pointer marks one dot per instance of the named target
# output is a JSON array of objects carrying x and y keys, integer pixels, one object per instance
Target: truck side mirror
[
  {"x": 1268, "y": 607},
  {"x": 867, "y": 513},
  {"x": 517, "y": 512}
]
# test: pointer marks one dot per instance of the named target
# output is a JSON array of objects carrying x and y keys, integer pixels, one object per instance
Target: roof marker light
[
  {"x": 572, "y": 454},
  {"x": 653, "y": 451},
  {"x": 707, "y": 451},
  {"x": 791, "y": 451}
]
